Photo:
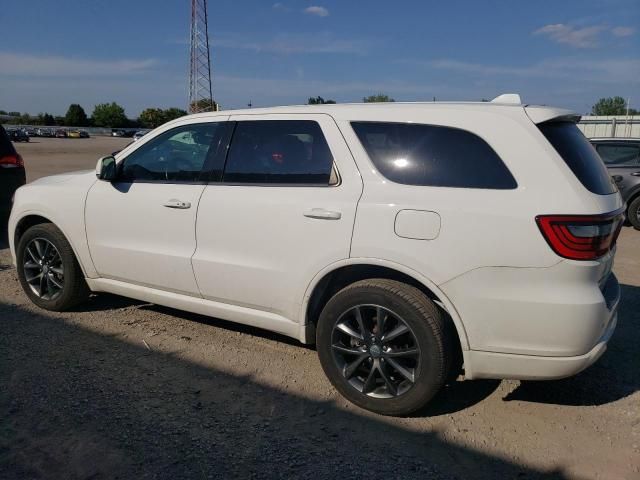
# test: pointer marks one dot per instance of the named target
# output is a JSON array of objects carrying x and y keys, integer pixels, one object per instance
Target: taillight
[
  {"x": 11, "y": 161},
  {"x": 581, "y": 237}
]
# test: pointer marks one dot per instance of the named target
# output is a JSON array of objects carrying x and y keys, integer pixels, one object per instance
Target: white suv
[{"x": 409, "y": 242}]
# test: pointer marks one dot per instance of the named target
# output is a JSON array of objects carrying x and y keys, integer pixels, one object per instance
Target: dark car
[
  {"x": 622, "y": 158},
  {"x": 12, "y": 176},
  {"x": 18, "y": 135}
]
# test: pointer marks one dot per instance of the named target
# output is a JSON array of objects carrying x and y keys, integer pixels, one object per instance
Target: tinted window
[
  {"x": 619, "y": 155},
  {"x": 579, "y": 155},
  {"x": 432, "y": 155},
  {"x": 279, "y": 151},
  {"x": 177, "y": 155}
]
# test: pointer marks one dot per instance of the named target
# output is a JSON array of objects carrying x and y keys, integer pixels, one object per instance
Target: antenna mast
[{"x": 200, "y": 91}]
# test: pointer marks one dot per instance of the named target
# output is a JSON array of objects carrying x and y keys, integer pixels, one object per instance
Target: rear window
[
  {"x": 617, "y": 155},
  {"x": 6, "y": 147},
  {"x": 579, "y": 155},
  {"x": 429, "y": 155}
]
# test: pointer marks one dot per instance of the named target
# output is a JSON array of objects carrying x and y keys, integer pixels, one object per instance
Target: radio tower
[{"x": 200, "y": 92}]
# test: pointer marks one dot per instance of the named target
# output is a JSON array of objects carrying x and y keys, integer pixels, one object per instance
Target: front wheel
[
  {"x": 633, "y": 213},
  {"x": 382, "y": 344},
  {"x": 48, "y": 270}
]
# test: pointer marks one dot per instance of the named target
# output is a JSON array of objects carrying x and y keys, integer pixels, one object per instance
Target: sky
[{"x": 566, "y": 53}]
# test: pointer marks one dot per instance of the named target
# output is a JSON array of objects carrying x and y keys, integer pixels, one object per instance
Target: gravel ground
[{"x": 121, "y": 389}]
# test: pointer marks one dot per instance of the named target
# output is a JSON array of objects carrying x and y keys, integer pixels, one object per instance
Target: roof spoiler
[{"x": 539, "y": 114}]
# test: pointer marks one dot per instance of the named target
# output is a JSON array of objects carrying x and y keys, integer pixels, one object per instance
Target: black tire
[
  {"x": 74, "y": 288},
  {"x": 428, "y": 332},
  {"x": 633, "y": 213}
]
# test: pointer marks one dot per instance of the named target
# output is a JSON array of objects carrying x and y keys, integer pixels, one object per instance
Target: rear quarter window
[
  {"x": 579, "y": 155},
  {"x": 430, "y": 155}
]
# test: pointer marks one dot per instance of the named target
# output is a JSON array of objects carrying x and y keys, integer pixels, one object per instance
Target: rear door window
[
  {"x": 579, "y": 155},
  {"x": 279, "y": 152},
  {"x": 414, "y": 154},
  {"x": 616, "y": 155}
]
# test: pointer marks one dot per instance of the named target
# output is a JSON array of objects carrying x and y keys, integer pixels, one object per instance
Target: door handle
[
  {"x": 636, "y": 174},
  {"x": 323, "y": 214},
  {"x": 179, "y": 204}
]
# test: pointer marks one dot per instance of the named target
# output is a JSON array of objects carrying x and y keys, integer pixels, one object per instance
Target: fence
[{"x": 619, "y": 126}]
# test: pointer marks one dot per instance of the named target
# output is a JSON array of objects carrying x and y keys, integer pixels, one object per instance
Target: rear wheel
[
  {"x": 48, "y": 270},
  {"x": 633, "y": 213},
  {"x": 382, "y": 344}
]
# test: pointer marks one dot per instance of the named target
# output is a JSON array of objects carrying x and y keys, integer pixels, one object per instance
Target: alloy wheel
[
  {"x": 376, "y": 351},
  {"x": 43, "y": 269}
]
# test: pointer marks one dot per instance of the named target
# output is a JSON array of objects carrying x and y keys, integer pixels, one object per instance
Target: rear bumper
[
  {"x": 529, "y": 367},
  {"x": 536, "y": 323}
]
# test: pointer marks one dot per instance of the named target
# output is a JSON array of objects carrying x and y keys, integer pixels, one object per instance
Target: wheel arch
[
  {"x": 635, "y": 193},
  {"x": 31, "y": 219},
  {"x": 340, "y": 274}
]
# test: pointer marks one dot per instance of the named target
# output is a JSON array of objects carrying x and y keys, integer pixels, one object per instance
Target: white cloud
[
  {"x": 586, "y": 37},
  {"x": 316, "y": 10},
  {"x": 280, "y": 6},
  {"x": 623, "y": 31},
  {"x": 56, "y": 66},
  {"x": 292, "y": 43}
]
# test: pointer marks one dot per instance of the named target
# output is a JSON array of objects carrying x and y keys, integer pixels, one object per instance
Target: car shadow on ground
[
  {"x": 78, "y": 404},
  {"x": 611, "y": 378},
  {"x": 455, "y": 396}
]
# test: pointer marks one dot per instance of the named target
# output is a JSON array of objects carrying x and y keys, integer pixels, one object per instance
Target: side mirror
[{"x": 106, "y": 169}]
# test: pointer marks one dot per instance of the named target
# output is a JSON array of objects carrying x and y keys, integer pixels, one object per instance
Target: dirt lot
[
  {"x": 48, "y": 156},
  {"x": 82, "y": 396}
]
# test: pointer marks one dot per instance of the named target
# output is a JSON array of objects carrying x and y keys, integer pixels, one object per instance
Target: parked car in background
[
  {"x": 139, "y": 134},
  {"x": 17, "y": 135},
  {"x": 409, "y": 242},
  {"x": 84, "y": 134},
  {"x": 45, "y": 132},
  {"x": 117, "y": 133},
  {"x": 622, "y": 158},
  {"x": 12, "y": 175},
  {"x": 61, "y": 133},
  {"x": 32, "y": 132}
]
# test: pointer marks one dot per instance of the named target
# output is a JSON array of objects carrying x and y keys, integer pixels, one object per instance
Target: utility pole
[{"x": 200, "y": 91}]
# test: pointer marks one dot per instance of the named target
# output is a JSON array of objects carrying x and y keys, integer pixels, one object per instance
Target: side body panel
[
  {"x": 60, "y": 199},
  {"x": 135, "y": 233},
  {"x": 133, "y": 237},
  {"x": 256, "y": 246},
  {"x": 489, "y": 259}
]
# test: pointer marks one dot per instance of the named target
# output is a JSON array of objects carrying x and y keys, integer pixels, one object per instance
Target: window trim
[
  {"x": 334, "y": 166},
  {"x": 372, "y": 163}
]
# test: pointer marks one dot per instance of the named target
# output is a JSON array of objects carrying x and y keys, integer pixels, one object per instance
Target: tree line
[
  {"x": 112, "y": 115},
  {"x": 109, "y": 115}
]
